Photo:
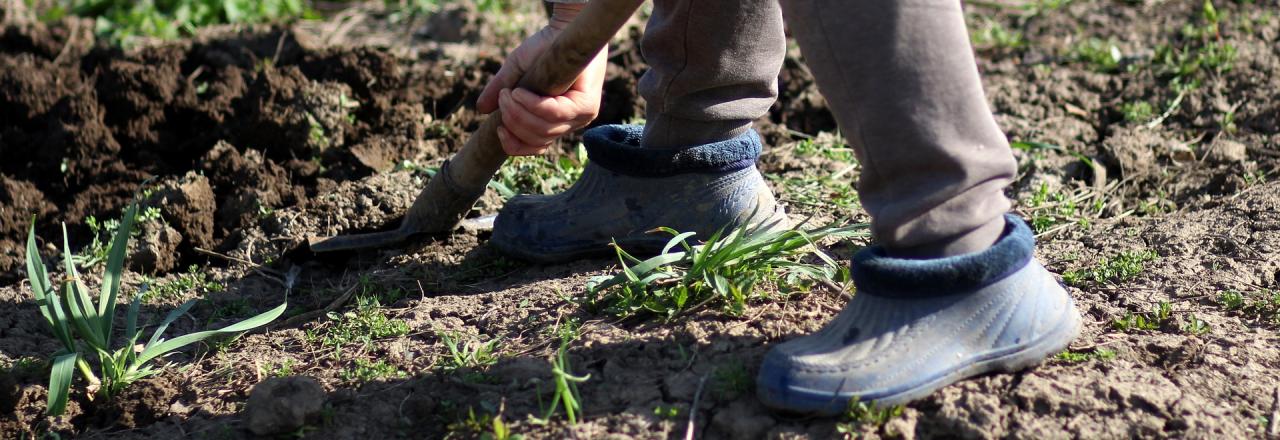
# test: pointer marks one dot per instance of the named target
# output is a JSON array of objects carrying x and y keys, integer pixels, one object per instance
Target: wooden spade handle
[{"x": 454, "y": 190}]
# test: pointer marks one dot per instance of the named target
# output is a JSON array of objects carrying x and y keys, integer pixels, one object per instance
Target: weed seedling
[
  {"x": 1124, "y": 267},
  {"x": 566, "y": 394},
  {"x": 725, "y": 270},
  {"x": 1137, "y": 112},
  {"x": 1153, "y": 320},
  {"x": 363, "y": 325},
  {"x": 96, "y": 252},
  {"x": 470, "y": 353},
  {"x": 282, "y": 369},
  {"x": 1262, "y": 305},
  {"x": 1231, "y": 300},
  {"x": 733, "y": 379},
  {"x": 1072, "y": 357},
  {"x": 666, "y": 412},
  {"x": 1103, "y": 56},
  {"x": 500, "y": 431},
  {"x": 84, "y": 325},
  {"x": 995, "y": 35},
  {"x": 193, "y": 280},
  {"x": 365, "y": 370},
  {"x": 861, "y": 414},
  {"x": 1195, "y": 325}
]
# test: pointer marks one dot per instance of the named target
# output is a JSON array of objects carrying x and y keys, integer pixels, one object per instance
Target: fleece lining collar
[
  {"x": 876, "y": 273},
  {"x": 617, "y": 148}
]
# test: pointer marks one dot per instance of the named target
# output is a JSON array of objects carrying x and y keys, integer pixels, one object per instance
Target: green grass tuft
[{"x": 726, "y": 271}]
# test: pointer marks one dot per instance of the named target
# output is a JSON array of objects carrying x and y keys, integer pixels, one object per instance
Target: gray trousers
[{"x": 899, "y": 76}]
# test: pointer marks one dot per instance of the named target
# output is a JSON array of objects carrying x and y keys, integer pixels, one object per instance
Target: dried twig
[
  {"x": 1273, "y": 425},
  {"x": 693, "y": 410},
  {"x": 342, "y": 300}
]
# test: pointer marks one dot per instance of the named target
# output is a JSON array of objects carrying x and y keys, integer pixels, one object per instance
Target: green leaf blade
[
  {"x": 115, "y": 271},
  {"x": 60, "y": 382},
  {"x": 161, "y": 348}
]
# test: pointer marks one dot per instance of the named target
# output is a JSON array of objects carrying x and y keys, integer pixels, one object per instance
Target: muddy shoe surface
[
  {"x": 626, "y": 191},
  {"x": 917, "y": 325}
]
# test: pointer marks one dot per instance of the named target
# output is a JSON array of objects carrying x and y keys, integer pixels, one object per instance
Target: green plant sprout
[
  {"x": 470, "y": 353},
  {"x": 862, "y": 414},
  {"x": 566, "y": 388},
  {"x": 1073, "y": 357},
  {"x": 84, "y": 326},
  {"x": 1160, "y": 314},
  {"x": 1124, "y": 267},
  {"x": 726, "y": 268}
]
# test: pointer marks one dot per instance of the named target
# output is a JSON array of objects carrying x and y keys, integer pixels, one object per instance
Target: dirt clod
[
  {"x": 1226, "y": 151},
  {"x": 283, "y": 404},
  {"x": 155, "y": 250},
  {"x": 187, "y": 204}
]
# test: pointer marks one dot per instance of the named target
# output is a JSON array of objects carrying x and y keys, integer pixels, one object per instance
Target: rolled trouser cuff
[
  {"x": 617, "y": 148},
  {"x": 876, "y": 273}
]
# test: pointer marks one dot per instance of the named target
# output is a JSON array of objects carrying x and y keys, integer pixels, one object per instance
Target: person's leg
[
  {"x": 902, "y": 81},
  {"x": 713, "y": 68},
  {"x": 952, "y": 288}
]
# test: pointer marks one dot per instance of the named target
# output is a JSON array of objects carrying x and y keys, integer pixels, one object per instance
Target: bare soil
[{"x": 256, "y": 138}]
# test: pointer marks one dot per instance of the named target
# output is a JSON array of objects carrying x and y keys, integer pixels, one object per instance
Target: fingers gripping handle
[{"x": 462, "y": 180}]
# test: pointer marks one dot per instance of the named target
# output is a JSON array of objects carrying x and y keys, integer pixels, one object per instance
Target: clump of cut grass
[
  {"x": 1123, "y": 267},
  {"x": 725, "y": 270},
  {"x": 85, "y": 325}
]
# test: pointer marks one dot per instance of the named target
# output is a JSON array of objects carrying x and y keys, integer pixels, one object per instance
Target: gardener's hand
[{"x": 531, "y": 122}]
